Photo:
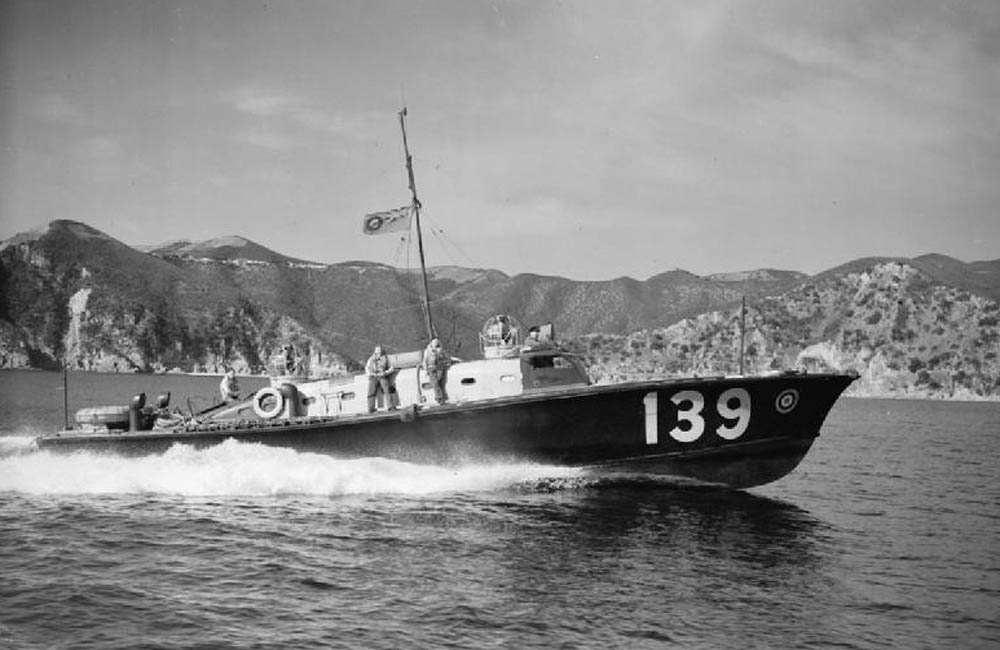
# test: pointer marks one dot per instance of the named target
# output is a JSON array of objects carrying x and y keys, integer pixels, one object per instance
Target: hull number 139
[{"x": 733, "y": 406}]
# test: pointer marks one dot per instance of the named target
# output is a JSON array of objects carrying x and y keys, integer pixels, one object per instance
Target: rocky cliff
[
  {"x": 71, "y": 294},
  {"x": 902, "y": 331}
]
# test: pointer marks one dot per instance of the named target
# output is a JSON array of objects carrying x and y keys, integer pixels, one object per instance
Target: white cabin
[{"x": 511, "y": 367}]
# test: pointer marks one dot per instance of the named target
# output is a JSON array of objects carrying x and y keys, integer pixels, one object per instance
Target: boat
[{"x": 526, "y": 399}]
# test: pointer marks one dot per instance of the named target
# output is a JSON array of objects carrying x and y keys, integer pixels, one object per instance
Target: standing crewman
[
  {"x": 380, "y": 372},
  {"x": 436, "y": 362},
  {"x": 290, "y": 359},
  {"x": 229, "y": 388}
]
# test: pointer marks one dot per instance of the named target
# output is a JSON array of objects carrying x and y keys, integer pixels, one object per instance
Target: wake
[{"x": 235, "y": 468}]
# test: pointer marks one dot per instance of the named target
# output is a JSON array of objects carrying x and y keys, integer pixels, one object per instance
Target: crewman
[
  {"x": 534, "y": 341},
  {"x": 435, "y": 363},
  {"x": 380, "y": 375},
  {"x": 229, "y": 388},
  {"x": 290, "y": 361}
]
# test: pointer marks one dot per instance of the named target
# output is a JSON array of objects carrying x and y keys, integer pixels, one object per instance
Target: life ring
[{"x": 268, "y": 412}]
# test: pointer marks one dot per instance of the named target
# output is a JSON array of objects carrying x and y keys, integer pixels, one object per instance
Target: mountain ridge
[
  {"x": 72, "y": 292},
  {"x": 904, "y": 335}
]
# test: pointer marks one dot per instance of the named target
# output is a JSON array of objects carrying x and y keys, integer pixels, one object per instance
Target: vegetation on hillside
[
  {"x": 902, "y": 333},
  {"x": 71, "y": 294}
]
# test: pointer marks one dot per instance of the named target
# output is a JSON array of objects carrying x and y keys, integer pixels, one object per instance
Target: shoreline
[{"x": 853, "y": 394}]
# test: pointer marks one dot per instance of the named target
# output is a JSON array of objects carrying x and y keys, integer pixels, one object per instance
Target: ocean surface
[{"x": 887, "y": 536}]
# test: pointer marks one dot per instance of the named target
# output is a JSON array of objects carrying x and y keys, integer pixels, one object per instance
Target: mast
[{"x": 420, "y": 237}]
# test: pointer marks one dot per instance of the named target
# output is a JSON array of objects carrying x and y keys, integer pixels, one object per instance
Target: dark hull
[{"x": 738, "y": 432}]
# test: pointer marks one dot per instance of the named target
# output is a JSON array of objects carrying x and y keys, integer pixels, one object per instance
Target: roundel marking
[
  {"x": 786, "y": 401},
  {"x": 373, "y": 223}
]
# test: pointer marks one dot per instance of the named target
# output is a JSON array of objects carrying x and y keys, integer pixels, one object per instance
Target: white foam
[
  {"x": 17, "y": 444},
  {"x": 235, "y": 468}
]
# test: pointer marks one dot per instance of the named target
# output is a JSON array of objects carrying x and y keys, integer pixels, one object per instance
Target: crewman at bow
[
  {"x": 435, "y": 363},
  {"x": 380, "y": 376}
]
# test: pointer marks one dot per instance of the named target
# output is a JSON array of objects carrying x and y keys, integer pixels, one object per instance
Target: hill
[
  {"x": 201, "y": 305},
  {"x": 903, "y": 330},
  {"x": 232, "y": 248},
  {"x": 71, "y": 293}
]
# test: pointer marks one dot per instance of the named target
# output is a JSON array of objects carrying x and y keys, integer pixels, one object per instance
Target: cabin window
[
  {"x": 346, "y": 396},
  {"x": 468, "y": 381},
  {"x": 550, "y": 362},
  {"x": 426, "y": 385},
  {"x": 541, "y": 362},
  {"x": 508, "y": 379},
  {"x": 547, "y": 370}
]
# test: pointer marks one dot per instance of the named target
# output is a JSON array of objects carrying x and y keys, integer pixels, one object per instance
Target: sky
[{"x": 588, "y": 139}]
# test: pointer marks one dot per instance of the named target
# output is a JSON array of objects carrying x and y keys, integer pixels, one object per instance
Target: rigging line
[
  {"x": 404, "y": 250},
  {"x": 401, "y": 246},
  {"x": 441, "y": 300},
  {"x": 415, "y": 305},
  {"x": 408, "y": 241},
  {"x": 392, "y": 310},
  {"x": 409, "y": 247},
  {"x": 408, "y": 269},
  {"x": 455, "y": 251},
  {"x": 446, "y": 241}
]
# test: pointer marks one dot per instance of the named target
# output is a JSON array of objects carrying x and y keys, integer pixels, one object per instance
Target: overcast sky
[{"x": 584, "y": 139}]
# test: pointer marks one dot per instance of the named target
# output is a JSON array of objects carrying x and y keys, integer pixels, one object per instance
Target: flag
[{"x": 377, "y": 223}]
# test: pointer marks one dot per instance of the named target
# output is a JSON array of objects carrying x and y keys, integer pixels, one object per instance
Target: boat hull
[{"x": 735, "y": 431}]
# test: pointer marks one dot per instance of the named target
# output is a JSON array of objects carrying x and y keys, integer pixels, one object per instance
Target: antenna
[
  {"x": 65, "y": 388},
  {"x": 743, "y": 328}
]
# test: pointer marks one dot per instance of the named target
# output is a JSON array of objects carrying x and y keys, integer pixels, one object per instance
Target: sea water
[{"x": 885, "y": 537}]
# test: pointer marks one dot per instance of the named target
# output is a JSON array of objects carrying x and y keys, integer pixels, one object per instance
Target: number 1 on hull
[{"x": 652, "y": 432}]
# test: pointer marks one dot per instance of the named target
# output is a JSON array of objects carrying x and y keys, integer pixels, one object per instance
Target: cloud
[
  {"x": 285, "y": 112},
  {"x": 267, "y": 139},
  {"x": 541, "y": 216},
  {"x": 263, "y": 103}
]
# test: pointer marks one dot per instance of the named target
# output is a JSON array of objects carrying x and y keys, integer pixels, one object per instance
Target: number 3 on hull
[{"x": 733, "y": 407}]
